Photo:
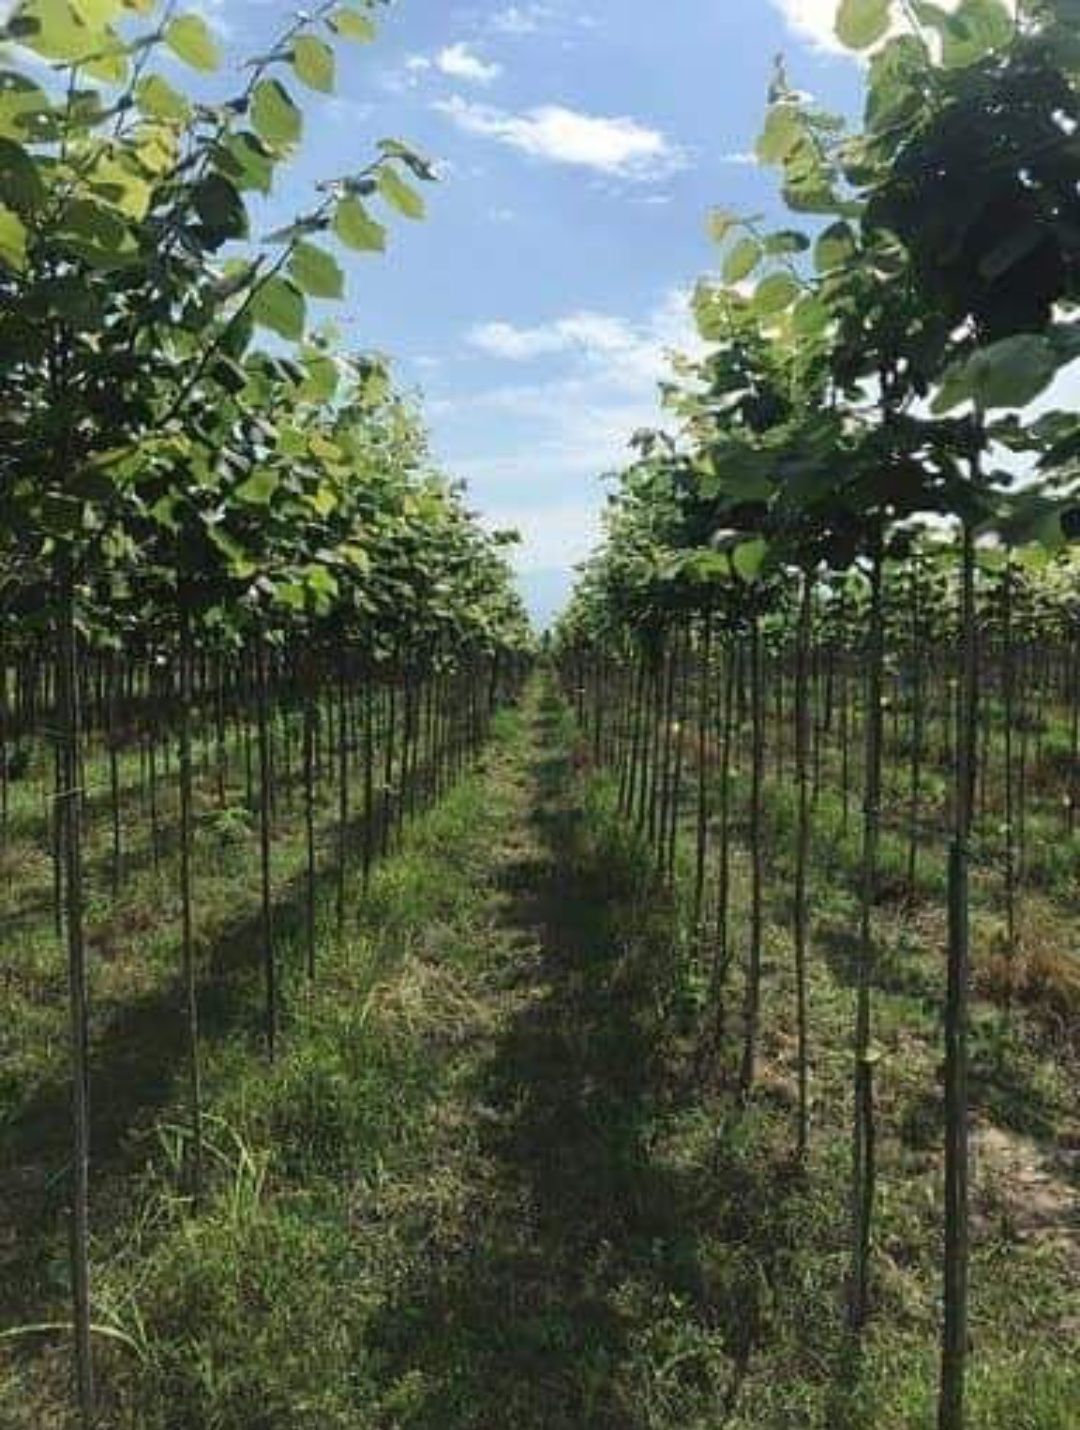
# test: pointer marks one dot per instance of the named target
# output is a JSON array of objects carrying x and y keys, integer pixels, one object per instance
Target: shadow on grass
[
  {"x": 584, "y": 1237},
  {"x": 138, "y": 1062}
]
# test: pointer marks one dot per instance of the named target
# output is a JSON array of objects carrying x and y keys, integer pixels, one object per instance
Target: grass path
[{"x": 513, "y": 1315}]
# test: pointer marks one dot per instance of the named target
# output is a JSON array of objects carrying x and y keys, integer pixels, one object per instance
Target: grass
[{"x": 484, "y": 1187}]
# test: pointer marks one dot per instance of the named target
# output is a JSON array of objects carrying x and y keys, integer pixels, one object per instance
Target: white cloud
[
  {"x": 617, "y": 146},
  {"x": 814, "y": 20},
  {"x": 560, "y": 434},
  {"x": 626, "y": 354},
  {"x": 462, "y": 62},
  {"x": 588, "y": 332},
  {"x": 519, "y": 19}
]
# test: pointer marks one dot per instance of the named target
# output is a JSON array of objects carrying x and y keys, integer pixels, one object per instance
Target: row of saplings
[{"x": 860, "y": 380}]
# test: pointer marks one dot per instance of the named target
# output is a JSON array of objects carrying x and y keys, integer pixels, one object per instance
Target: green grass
[{"x": 485, "y": 1185}]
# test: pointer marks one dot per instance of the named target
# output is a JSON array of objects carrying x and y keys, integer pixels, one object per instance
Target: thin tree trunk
[
  {"x": 70, "y": 808},
  {"x": 864, "y": 1138},
  {"x": 955, "y": 1324},
  {"x": 191, "y": 998},
  {"x": 802, "y": 854},
  {"x": 752, "y": 1002}
]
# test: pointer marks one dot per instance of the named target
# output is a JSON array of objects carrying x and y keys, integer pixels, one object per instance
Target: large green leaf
[
  {"x": 220, "y": 209},
  {"x": 24, "y": 107},
  {"x": 321, "y": 382},
  {"x": 274, "y": 115},
  {"x": 781, "y": 135},
  {"x": 862, "y": 23},
  {"x": 279, "y": 305},
  {"x": 191, "y": 41},
  {"x": 775, "y": 293},
  {"x": 317, "y": 272},
  {"x": 399, "y": 194},
  {"x": 155, "y": 96},
  {"x": 1009, "y": 373},
  {"x": 54, "y": 30},
  {"x": 970, "y": 31},
  {"x": 249, "y": 161},
  {"x": 834, "y": 248},
  {"x": 741, "y": 261},
  {"x": 313, "y": 61},
  {"x": 97, "y": 234},
  {"x": 749, "y": 557},
  {"x": 259, "y": 488},
  {"x": 355, "y": 227},
  {"x": 12, "y": 239},
  {"x": 20, "y": 183}
]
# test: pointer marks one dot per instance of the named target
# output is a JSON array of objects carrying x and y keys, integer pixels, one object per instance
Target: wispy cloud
[
  {"x": 617, "y": 146},
  {"x": 627, "y": 354},
  {"x": 520, "y": 19}
]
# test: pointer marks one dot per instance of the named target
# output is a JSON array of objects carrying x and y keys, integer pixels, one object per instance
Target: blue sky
[{"x": 582, "y": 143}]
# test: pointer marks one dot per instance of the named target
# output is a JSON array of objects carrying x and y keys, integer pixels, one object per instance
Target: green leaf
[
  {"x": 317, "y": 272},
  {"x": 741, "y": 261},
  {"x": 274, "y": 115},
  {"x": 809, "y": 317},
  {"x": 120, "y": 187},
  {"x": 861, "y": 23},
  {"x": 352, "y": 26},
  {"x": 786, "y": 240},
  {"x": 20, "y": 183},
  {"x": 1009, "y": 373},
  {"x": 220, "y": 209},
  {"x": 313, "y": 61},
  {"x": 782, "y": 134},
  {"x": 954, "y": 389},
  {"x": 97, "y": 234},
  {"x": 12, "y": 239},
  {"x": 24, "y": 107},
  {"x": 249, "y": 162},
  {"x": 969, "y": 32},
  {"x": 229, "y": 374},
  {"x": 259, "y": 488},
  {"x": 748, "y": 558},
  {"x": 156, "y": 97},
  {"x": 279, "y": 305},
  {"x": 321, "y": 382},
  {"x": 400, "y": 195},
  {"x": 356, "y": 228},
  {"x": 52, "y": 28},
  {"x": 191, "y": 41},
  {"x": 775, "y": 293},
  {"x": 834, "y": 248}
]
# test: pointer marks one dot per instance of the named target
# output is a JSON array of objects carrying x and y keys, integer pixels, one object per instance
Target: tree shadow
[
  {"x": 531, "y": 1310},
  {"x": 138, "y": 1068}
]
